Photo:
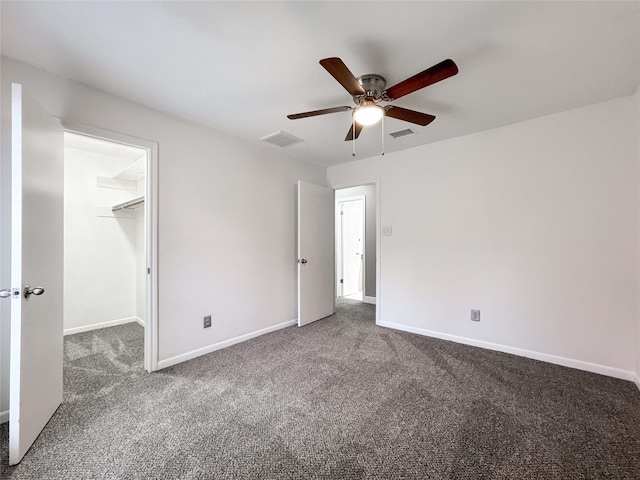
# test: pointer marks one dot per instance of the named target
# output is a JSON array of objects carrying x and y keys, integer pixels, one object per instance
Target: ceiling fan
[{"x": 369, "y": 90}]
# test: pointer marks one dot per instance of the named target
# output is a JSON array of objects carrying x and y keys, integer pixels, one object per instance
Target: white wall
[
  {"x": 369, "y": 191},
  {"x": 99, "y": 252},
  {"x": 535, "y": 224},
  {"x": 226, "y": 216}
]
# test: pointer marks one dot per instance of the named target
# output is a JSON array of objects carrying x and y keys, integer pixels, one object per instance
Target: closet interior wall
[{"x": 104, "y": 250}]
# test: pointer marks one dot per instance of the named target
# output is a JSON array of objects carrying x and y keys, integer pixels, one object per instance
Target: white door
[
  {"x": 316, "y": 244},
  {"x": 352, "y": 220},
  {"x": 36, "y": 264}
]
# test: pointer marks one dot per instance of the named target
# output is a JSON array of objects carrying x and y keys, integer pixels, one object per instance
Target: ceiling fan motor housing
[{"x": 373, "y": 85}]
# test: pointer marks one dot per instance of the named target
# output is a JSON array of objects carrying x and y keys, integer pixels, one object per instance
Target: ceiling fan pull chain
[{"x": 382, "y": 130}]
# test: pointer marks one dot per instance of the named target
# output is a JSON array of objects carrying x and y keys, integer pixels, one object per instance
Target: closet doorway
[{"x": 108, "y": 239}]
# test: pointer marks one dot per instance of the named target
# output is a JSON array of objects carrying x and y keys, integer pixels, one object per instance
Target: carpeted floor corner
[{"x": 338, "y": 399}]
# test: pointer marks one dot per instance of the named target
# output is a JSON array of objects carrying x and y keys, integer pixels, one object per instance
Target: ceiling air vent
[
  {"x": 281, "y": 139},
  {"x": 402, "y": 133}
]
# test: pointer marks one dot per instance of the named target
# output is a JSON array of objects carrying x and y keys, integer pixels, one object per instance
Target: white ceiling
[{"x": 241, "y": 67}]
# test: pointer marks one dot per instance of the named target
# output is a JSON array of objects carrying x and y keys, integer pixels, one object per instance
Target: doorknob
[
  {"x": 6, "y": 293},
  {"x": 304, "y": 260},
  {"x": 32, "y": 291}
]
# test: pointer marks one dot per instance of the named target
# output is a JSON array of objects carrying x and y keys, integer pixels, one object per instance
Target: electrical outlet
[
  {"x": 475, "y": 315},
  {"x": 206, "y": 321}
]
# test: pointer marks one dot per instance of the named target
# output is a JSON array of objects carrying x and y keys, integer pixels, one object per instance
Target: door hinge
[{"x": 341, "y": 280}]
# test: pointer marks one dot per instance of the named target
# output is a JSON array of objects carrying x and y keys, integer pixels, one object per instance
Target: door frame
[
  {"x": 151, "y": 228},
  {"x": 359, "y": 183},
  {"x": 354, "y": 198}
]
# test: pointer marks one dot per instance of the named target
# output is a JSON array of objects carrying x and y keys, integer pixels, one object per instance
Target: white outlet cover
[{"x": 387, "y": 231}]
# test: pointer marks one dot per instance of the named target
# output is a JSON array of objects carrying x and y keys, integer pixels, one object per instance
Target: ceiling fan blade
[
  {"x": 313, "y": 113},
  {"x": 408, "y": 115},
  {"x": 341, "y": 73},
  {"x": 350, "y": 135},
  {"x": 442, "y": 70}
]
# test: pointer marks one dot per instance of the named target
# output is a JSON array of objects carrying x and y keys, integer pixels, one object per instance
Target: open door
[
  {"x": 36, "y": 271},
  {"x": 316, "y": 244}
]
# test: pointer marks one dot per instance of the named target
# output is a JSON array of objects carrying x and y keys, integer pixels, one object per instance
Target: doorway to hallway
[
  {"x": 356, "y": 243},
  {"x": 350, "y": 251}
]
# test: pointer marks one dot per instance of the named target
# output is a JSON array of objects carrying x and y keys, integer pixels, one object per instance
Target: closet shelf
[
  {"x": 133, "y": 172},
  {"x": 129, "y": 203}
]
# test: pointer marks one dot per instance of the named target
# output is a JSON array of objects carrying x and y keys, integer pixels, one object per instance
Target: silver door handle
[
  {"x": 6, "y": 293},
  {"x": 304, "y": 260},
  {"x": 32, "y": 291}
]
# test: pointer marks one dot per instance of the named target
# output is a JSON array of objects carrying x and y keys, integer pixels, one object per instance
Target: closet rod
[{"x": 128, "y": 203}]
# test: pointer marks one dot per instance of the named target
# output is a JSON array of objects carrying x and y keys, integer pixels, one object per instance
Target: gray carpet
[{"x": 337, "y": 399}]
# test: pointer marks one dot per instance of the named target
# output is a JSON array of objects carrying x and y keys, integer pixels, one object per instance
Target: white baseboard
[
  {"x": 4, "y": 416},
  {"x": 220, "y": 345},
  {"x": 95, "y": 326},
  {"x": 371, "y": 300},
  {"x": 637, "y": 380},
  {"x": 545, "y": 357},
  {"x": 139, "y": 321}
]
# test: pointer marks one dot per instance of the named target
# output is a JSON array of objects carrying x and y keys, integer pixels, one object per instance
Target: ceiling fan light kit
[
  {"x": 368, "y": 114},
  {"x": 369, "y": 90}
]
